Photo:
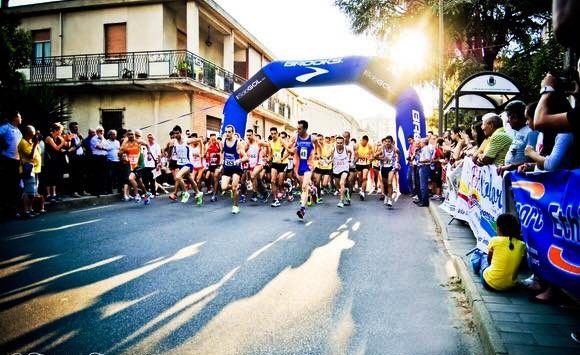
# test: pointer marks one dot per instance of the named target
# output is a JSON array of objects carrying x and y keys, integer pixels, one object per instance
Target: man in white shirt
[{"x": 152, "y": 161}]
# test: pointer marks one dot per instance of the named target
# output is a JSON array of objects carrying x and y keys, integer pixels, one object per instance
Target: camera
[{"x": 37, "y": 137}]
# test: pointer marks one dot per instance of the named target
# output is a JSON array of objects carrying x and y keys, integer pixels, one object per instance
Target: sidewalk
[{"x": 507, "y": 323}]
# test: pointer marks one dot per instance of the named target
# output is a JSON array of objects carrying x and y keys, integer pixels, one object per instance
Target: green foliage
[
  {"x": 528, "y": 66},
  {"x": 42, "y": 105}
]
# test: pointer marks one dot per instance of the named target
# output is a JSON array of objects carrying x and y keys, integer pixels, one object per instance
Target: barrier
[{"x": 548, "y": 207}]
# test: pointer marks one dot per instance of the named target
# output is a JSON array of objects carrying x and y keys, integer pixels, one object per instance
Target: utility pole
[{"x": 441, "y": 66}]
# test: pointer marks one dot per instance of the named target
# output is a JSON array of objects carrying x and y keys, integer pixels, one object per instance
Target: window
[
  {"x": 41, "y": 46},
  {"x": 115, "y": 38},
  {"x": 181, "y": 40},
  {"x": 212, "y": 124},
  {"x": 112, "y": 119}
]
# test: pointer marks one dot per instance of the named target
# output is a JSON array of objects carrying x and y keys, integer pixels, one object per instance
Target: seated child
[{"x": 499, "y": 267}]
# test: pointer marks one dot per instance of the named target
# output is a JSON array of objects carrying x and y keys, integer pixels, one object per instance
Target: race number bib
[
  {"x": 303, "y": 153},
  {"x": 229, "y": 159}
]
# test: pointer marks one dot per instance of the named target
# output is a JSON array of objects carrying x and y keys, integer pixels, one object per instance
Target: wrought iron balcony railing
[{"x": 131, "y": 66}]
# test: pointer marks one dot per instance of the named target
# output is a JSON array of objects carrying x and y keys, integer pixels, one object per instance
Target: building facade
[
  {"x": 327, "y": 120},
  {"x": 149, "y": 64}
]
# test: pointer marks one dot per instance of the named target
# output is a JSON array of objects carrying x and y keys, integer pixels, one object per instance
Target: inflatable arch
[{"x": 369, "y": 72}]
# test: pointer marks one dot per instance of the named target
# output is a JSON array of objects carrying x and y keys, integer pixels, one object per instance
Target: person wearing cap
[
  {"x": 515, "y": 156},
  {"x": 499, "y": 141}
]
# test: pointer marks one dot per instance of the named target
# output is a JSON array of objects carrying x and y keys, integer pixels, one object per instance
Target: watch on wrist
[{"x": 546, "y": 89}]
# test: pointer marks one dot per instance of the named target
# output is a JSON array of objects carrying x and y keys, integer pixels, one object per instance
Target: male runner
[
  {"x": 340, "y": 168},
  {"x": 255, "y": 164},
  {"x": 278, "y": 150},
  {"x": 234, "y": 154},
  {"x": 212, "y": 157},
  {"x": 389, "y": 156},
  {"x": 323, "y": 172},
  {"x": 363, "y": 155},
  {"x": 180, "y": 149},
  {"x": 304, "y": 145},
  {"x": 130, "y": 154},
  {"x": 349, "y": 145}
]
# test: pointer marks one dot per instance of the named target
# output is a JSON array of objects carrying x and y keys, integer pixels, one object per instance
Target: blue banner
[
  {"x": 548, "y": 205},
  {"x": 410, "y": 121}
]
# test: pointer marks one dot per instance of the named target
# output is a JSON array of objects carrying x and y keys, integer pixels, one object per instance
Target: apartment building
[{"x": 149, "y": 64}]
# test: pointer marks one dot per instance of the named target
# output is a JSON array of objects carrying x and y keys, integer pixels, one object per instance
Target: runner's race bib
[{"x": 303, "y": 153}]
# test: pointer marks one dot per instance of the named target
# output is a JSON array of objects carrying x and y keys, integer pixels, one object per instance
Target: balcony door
[{"x": 115, "y": 39}]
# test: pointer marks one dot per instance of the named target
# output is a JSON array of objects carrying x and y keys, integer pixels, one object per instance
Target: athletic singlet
[
  {"x": 133, "y": 153},
  {"x": 277, "y": 151},
  {"x": 181, "y": 152},
  {"x": 389, "y": 156},
  {"x": 304, "y": 148},
  {"x": 340, "y": 161},
  {"x": 325, "y": 161},
  {"x": 213, "y": 154},
  {"x": 363, "y": 153},
  {"x": 196, "y": 156},
  {"x": 253, "y": 153},
  {"x": 231, "y": 155}
]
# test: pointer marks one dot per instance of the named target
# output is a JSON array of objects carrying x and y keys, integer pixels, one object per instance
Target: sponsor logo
[
  {"x": 416, "y": 123},
  {"x": 536, "y": 189},
  {"x": 557, "y": 259},
  {"x": 491, "y": 81},
  {"x": 305, "y": 77},
  {"x": 314, "y": 62},
  {"x": 250, "y": 87},
  {"x": 375, "y": 79}
]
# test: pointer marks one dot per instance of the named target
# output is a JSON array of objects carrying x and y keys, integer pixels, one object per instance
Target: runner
[
  {"x": 340, "y": 169},
  {"x": 180, "y": 149},
  {"x": 279, "y": 155},
  {"x": 324, "y": 169},
  {"x": 376, "y": 171},
  {"x": 389, "y": 156},
  {"x": 349, "y": 145},
  {"x": 197, "y": 152},
  {"x": 234, "y": 155},
  {"x": 255, "y": 164},
  {"x": 304, "y": 145},
  {"x": 363, "y": 156},
  {"x": 130, "y": 154},
  {"x": 212, "y": 157}
]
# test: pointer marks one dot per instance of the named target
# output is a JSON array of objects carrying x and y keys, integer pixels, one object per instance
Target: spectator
[
  {"x": 499, "y": 267},
  {"x": 30, "y": 158},
  {"x": 76, "y": 159},
  {"x": 56, "y": 146},
  {"x": 517, "y": 120},
  {"x": 113, "y": 163},
  {"x": 99, "y": 148},
  {"x": 424, "y": 163},
  {"x": 10, "y": 136},
  {"x": 499, "y": 141},
  {"x": 437, "y": 169}
]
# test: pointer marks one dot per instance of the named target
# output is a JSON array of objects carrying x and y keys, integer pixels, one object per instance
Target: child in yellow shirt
[{"x": 499, "y": 267}]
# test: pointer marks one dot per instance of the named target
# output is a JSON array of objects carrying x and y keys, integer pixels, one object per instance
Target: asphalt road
[{"x": 179, "y": 279}]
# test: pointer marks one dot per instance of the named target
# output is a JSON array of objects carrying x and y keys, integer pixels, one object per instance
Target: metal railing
[{"x": 131, "y": 66}]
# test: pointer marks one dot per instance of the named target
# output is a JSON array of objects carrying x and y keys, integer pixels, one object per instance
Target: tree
[{"x": 480, "y": 29}]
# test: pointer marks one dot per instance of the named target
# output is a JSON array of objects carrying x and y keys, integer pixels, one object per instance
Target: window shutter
[
  {"x": 41, "y": 35},
  {"x": 181, "y": 40},
  {"x": 116, "y": 38}
]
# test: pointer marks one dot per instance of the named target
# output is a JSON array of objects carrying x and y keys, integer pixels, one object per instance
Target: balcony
[{"x": 131, "y": 66}]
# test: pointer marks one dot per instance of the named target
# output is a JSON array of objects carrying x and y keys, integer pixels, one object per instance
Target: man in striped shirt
[{"x": 499, "y": 141}]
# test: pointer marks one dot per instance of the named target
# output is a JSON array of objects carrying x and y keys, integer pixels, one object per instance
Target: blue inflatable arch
[{"x": 370, "y": 73}]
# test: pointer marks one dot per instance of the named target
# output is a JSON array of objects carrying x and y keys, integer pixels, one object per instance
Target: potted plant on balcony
[
  {"x": 127, "y": 74},
  {"x": 95, "y": 76},
  {"x": 83, "y": 77},
  {"x": 183, "y": 68}
]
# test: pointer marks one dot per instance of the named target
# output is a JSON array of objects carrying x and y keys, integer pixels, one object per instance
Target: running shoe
[
  {"x": 290, "y": 198},
  {"x": 347, "y": 202},
  {"x": 235, "y": 210},
  {"x": 386, "y": 201},
  {"x": 185, "y": 197},
  {"x": 137, "y": 199},
  {"x": 254, "y": 199},
  {"x": 389, "y": 203},
  {"x": 319, "y": 200},
  {"x": 243, "y": 199},
  {"x": 172, "y": 197},
  {"x": 362, "y": 195},
  {"x": 126, "y": 198},
  {"x": 213, "y": 198},
  {"x": 397, "y": 195},
  {"x": 209, "y": 192},
  {"x": 147, "y": 199},
  {"x": 336, "y": 193},
  {"x": 340, "y": 204},
  {"x": 301, "y": 212},
  {"x": 199, "y": 198},
  {"x": 276, "y": 203}
]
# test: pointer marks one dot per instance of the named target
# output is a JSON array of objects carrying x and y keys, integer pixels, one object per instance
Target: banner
[
  {"x": 449, "y": 193},
  {"x": 548, "y": 206},
  {"x": 479, "y": 200}
]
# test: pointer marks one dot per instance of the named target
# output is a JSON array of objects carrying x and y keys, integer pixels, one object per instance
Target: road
[{"x": 179, "y": 279}]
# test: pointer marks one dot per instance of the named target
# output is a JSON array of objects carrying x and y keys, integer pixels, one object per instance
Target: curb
[
  {"x": 80, "y": 202},
  {"x": 488, "y": 334}
]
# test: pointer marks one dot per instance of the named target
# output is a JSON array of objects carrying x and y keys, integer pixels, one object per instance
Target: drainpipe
[{"x": 60, "y": 35}]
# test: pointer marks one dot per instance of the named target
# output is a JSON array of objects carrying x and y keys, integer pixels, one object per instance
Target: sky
[{"x": 306, "y": 29}]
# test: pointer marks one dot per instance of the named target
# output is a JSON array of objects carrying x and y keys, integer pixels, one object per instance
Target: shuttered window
[
  {"x": 115, "y": 38},
  {"x": 181, "y": 40},
  {"x": 41, "y": 46},
  {"x": 213, "y": 123}
]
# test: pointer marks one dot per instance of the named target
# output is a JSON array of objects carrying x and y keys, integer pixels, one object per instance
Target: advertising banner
[
  {"x": 480, "y": 200},
  {"x": 548, "y": 205}
]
